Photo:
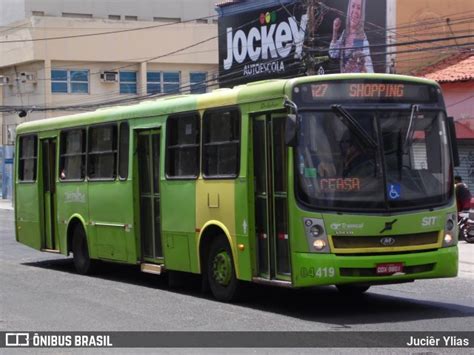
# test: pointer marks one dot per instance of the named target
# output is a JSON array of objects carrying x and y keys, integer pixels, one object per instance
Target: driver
[{"x": 356, "y": 161}]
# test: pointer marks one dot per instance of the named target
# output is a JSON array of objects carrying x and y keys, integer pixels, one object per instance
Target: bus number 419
[{"x": 319, "y": 272}]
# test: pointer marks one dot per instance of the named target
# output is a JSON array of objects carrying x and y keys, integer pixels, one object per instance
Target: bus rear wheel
[
  {"x": 352, "y": 290},
  {"x": 220, "y": 271},
  {"x": 82, "y": 262}
]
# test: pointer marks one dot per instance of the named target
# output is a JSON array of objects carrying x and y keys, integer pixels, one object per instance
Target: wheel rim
[{"x": 222, "y": 268}]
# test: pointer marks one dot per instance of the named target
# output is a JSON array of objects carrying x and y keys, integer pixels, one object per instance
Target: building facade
[
  {"x": 456, "y": 77},
  {"x": 143, "y": 10},
  {"x": 72, "y": 56}
]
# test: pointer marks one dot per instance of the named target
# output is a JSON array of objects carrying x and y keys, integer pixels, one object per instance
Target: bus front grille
[{"x": 377, "y": 241}]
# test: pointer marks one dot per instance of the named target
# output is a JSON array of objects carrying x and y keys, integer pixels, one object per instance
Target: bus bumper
[{"x": 310, "y": 269}]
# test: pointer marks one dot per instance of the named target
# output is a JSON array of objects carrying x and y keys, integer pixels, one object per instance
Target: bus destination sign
[
  {"x": 374, "y": 91},
  {"x": 364, "y": 90}
]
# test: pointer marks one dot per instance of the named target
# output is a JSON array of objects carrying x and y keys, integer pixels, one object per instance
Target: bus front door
[
  {"x": 148, "y": 145},
  {"x": 48, "y": 175},
  {"x": 271, "y": 214}
]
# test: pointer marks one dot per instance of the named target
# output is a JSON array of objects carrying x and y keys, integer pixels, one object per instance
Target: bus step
[
  {"x": 51, "y": 251},
  {"x": 152, "y": 268},
  {"x": 263, "y": 281}
]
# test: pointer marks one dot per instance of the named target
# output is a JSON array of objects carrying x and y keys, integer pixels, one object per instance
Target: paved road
[{"x": 41, "y": 292}]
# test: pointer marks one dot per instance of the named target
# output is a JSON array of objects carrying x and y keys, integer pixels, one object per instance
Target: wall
[
  {"x": 157, "y": 41},
  {"x": 425, "y": 19},
  {"x": 100, "y": 91},
  {"x": 11, "y": 10},
  {"x": 15, "y": 10},
  {"x": 97, "y": 53},
  {"x": 459, "y": 99}
]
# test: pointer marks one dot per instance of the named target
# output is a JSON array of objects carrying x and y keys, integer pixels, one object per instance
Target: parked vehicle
[{"x": 466, "y": 226}]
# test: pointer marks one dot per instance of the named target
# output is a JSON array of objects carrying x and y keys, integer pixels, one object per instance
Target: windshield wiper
[
  {"x": 411, "y": 129},
  {"x": 360, "y": 132}
]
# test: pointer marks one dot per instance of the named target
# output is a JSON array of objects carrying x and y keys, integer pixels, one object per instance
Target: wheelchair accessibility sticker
[{"x": 394, "y": 191}]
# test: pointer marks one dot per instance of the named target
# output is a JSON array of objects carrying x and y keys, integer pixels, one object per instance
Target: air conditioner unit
[
  {"x": 109, "y": 76},
  {"x": 4, "y": 80},
  {"x": 27, "y": 77}
]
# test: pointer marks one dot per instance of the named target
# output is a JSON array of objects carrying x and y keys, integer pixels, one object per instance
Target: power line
[
  {"x": 175, "y": 51},
  {"x": 399, "y": 44},
  {"x": 461, "y": 101},
  {"x": 147, "y": 96},
  {"x": 181, "y": 50}
]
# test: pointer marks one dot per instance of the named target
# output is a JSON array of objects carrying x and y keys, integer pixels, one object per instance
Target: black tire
[
  {"x": 469, "y": 239},
  {"x": 224, "y": 289},
  {"x": 352, "y": 290},
  {"x": 82, "y": 262}
]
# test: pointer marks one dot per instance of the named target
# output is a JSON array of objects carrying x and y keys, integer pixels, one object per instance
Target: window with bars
[
  {"x": 198, "y": 82},
  {"x": 69, "y": 81},
  {"x": 128, "y": 82},
  {"x": 72, "y": 159},
  {"x": 102, "y": 153},
  {"x": 28, "y": 158},
  {"x": 182, "y": 137},
  {"x": 153, "y": 82},
  {"x": 163, "y": 82},
  {"x": 221, "y": 143}
]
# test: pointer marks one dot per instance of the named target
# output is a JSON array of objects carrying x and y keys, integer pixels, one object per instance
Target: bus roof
[{"x": 252, "y": 92}]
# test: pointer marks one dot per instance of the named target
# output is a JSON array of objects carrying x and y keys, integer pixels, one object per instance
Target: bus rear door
[
  {"x": 48, "y": 176},
  {"x": 148, "y": 145}
]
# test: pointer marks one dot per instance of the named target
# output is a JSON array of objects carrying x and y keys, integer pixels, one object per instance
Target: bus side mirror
[
  {"x": 453, "y": 141},
  {"x": 291, "y": 130}
]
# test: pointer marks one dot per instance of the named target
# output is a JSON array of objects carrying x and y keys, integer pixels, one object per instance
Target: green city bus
[{"x": 342, "y": 180}]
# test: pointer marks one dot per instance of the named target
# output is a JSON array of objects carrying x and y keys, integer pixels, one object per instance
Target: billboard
[{"x": 301, "y": 38}]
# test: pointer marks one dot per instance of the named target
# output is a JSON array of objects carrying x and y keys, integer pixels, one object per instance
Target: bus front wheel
[
  {"x": 220, "y": 271},
  {"x": 82, "y": 262}
]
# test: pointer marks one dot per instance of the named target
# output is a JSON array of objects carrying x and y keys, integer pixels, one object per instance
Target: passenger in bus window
[
  {"x": 463, "y": 195},
  {"x": 326, "y": 169},
  {"x": 319, "y": 160},
  {"x": 352, "y": 47}
]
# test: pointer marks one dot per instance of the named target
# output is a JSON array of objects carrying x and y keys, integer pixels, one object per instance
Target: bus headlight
[
  {"x": 319, "y": 244},
  {"x": 316, "y": 235},
  {"x": 448, "y": 240},
  {"x": 450, "y": 230}
]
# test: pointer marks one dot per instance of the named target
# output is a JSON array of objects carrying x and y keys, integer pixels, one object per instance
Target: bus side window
[
  {"x": 72, "y": 160},
  {"x": 221, "y": 143},
  {"x": 102, "y": 153},
  {"x": 182, "y": 151},
  {"x": 28, "y": 159},
  {"x": 123, "y": 150}
]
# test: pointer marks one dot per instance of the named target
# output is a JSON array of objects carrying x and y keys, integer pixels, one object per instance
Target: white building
[{"x": 99, "y": 51}]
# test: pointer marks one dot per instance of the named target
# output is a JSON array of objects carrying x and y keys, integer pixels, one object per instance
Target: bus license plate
[{"x": 390, "y": 268}]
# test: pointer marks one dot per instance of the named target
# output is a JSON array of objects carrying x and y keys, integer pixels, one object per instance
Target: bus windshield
[{"x": 406, "y": 165}]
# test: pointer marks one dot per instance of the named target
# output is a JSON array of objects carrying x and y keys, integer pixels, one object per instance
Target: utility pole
[{"x": 315, "y": 12}]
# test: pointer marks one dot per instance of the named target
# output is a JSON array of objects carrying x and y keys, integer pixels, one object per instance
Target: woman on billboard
[{"x": 352, "y": 47}]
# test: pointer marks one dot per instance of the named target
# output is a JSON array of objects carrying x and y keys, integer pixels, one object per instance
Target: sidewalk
[{"x": 6, "y": 204}]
